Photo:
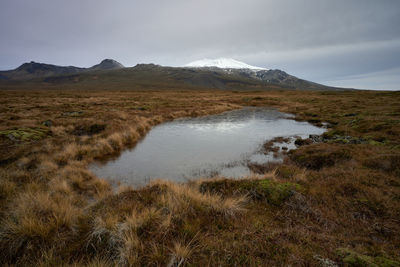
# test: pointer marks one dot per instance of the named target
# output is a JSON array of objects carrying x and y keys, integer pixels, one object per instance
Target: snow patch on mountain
[{"x": 223, "y": 63}]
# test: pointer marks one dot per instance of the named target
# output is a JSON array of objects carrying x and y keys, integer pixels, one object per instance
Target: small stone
[
  {"x": 11, "y": 137},
  {"x": 48, "y": 123},
  {"x": 316, "y": 138}
]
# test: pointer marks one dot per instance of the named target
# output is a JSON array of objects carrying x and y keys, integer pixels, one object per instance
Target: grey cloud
[{"x": 319, "y": 40}]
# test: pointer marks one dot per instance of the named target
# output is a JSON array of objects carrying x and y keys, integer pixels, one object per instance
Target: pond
[{"x": 216, "y": 145}]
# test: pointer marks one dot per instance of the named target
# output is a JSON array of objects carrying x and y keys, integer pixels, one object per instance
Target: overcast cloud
[{"x": 350, "y": 43}]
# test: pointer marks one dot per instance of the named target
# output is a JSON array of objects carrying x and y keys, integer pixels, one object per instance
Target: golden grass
[
  {"x": 184, "y": 199},
  {"x": 324, "y": 197},
  {"x": 179, "y": 254},
  {"x": 36, "y": 218}
]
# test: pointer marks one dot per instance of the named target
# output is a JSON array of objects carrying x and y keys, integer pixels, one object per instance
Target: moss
[
  {"x": 277, "y": 193},
  {"x": 340, "y": 141},
  {"x": 25, "y": 134},
  {"x": 286, "y": 172},
  {"x": 266, "y": 190},
  {"x": 332, "y": 133},
  {"x": 374, "y": 143},
  {"x": 382, "y": 261},
  {"x": 352, "y": 258},
  {"x": 317, "y": 157}
]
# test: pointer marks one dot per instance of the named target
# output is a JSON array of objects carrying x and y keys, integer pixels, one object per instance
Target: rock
[
  {"x": 11, "y": 137},
  {"x": 48, "y": 123},
  {"x": 316, "y": 138},
  {"x": 325, "y": 262}
]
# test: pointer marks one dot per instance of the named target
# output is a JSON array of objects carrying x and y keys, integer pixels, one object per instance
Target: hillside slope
[
  {"x": 32, "y": 70},
  {"x": 111, "y": 74}
]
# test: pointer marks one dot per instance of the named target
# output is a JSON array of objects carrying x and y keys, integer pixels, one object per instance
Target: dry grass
[
  {"x": 179, "y": 254},
  {"x": 184, "y": 199},
  {"x": 323, "y": 198}
]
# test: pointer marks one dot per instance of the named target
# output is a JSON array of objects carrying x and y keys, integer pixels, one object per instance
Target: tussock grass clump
[
  {"x": 179, "y": 254},
  {"x": 83, "y": 181},
  {"x": 47, "y": 166},
  {"x": 386, "y": 163},
  {"x": 319, "y": 156},
  {"x": 88, "y": 129},
  {"x": 264, "y": 190},
  {"x": 157, "y": 212},
  {"x": 7, "y": 190},
  {"x": 184, "y": 199},
  {"x": 37, "y": 221}
]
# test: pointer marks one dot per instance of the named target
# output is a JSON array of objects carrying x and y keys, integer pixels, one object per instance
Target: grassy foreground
[{"x": 333, "y": 202}]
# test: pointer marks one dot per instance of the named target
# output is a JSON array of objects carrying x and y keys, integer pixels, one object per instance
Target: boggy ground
[{"x": 332, "y": 202}]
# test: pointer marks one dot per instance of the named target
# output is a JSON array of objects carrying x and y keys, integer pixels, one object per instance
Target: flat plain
[{"x": 332, "y": 201}]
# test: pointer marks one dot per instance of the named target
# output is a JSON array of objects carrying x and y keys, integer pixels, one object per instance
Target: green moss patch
[
  {"x": 266, "y": 190},
  {"x": 25, "y": 134},
  {"x": 352, "y": 258}
]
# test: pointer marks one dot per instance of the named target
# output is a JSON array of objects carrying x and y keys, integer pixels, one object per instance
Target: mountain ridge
[
  {"x": 151, "y": 75},
  {"x": 34, "y": 69}
]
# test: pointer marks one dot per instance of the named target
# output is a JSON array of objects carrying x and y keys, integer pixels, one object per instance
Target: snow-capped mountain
[
  {"x": 222, "y": 73},
  {"x": 227, "y": 67},
  {"x": 223, "y": 63}
]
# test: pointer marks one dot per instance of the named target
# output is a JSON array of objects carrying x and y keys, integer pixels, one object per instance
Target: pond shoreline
[{"x": 230, "y": 138}]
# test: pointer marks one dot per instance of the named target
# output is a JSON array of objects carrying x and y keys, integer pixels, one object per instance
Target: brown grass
[{"x": 326, "y": 197}]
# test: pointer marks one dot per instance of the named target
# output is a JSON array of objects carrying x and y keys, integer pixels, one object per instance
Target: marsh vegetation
[{"x": 332, "y": 201}]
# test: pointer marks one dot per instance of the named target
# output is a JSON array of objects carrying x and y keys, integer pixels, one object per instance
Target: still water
[{"x": 222, "y": 144}]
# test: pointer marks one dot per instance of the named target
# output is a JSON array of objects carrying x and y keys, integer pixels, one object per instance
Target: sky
[{"x": 347, "y": 43}]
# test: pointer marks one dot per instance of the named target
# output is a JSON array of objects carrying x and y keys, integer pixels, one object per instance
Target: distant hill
[
  {"x": 33, "y": 70},
  {"x": 107, "y": 64},
  {"x": 230, "y": 75}
]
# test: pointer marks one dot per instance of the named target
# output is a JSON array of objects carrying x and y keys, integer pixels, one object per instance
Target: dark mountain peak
[
  {"x": 108, "y": 64},
  {"x": 146, "y": 65},
  {"x": 149, "y": 66},
  {"x": 28, "y": 65},
  {"x": 34, "y": 67},
  {"x": 109, "y": 61}
]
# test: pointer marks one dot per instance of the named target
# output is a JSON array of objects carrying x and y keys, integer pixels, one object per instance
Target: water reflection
[{"x": 206, "y": 146}]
